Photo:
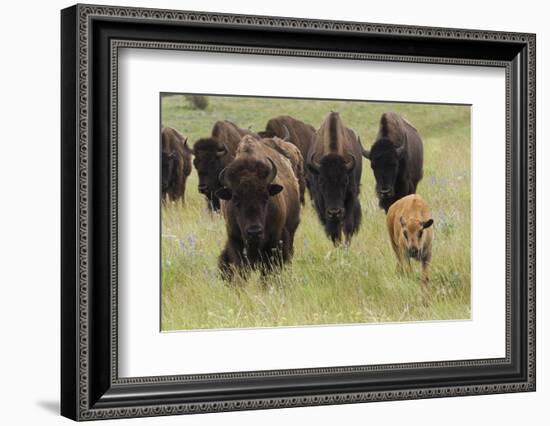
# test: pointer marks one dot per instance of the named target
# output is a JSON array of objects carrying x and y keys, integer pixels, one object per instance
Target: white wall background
[{"x": 29, "y": 212}]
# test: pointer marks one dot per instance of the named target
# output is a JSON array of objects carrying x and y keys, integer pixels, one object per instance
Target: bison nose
[
  {"x": 335, "y": 212},
  {"x": 203, "y": 189},
  {"x": 413, "y": 252},
  {"x": 385, "y": 190},
  {"x": 254, "y": 231}
]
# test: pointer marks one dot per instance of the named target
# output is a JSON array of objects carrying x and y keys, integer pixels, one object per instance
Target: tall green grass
[{"x": 323, "y": 284}]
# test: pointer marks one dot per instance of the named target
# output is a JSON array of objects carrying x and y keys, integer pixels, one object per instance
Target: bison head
[
  {"x": 210, "y": 158},
  {"x": 412, "y": 232},
  {"x": 248, "y": 186},
  {"x": 384, "y": 159},
  {"x": 333, "y": 178}
]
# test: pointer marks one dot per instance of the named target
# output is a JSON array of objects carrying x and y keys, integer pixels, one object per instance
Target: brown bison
[
  {"x": 175, "y": 163},
  {"x": 396, "y": 159},
  {"x": 295, "y": 131},
  {"x": 334, "y": 166},
  {"x": 213, "y": 154},
  {"x": 290, "y": 151},
  {"x": 261, "y": 207},
  {"x": 291, "y": 129},
  {"x": 411, "y": 232}
]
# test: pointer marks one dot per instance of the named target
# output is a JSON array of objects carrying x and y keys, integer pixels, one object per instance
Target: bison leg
[
  {"x": 269, "y": 266},
  {"x": 287, "y": 245},
  {"x": 175, "y": 197},
  {"x": 403, "y": 261},
  {"x": 226, "y": 265},
  {"x": 302, "y": 187},
  {"x": 407, "y": 263},
  {"x": 426, "y": 271},
  {"x": 425, "y": 296},
  {"x": 182, "y": 195},
  {"x": 278, "y": 252},
  {"x": 395, "y": 248},
  {"x": 230, "y": 261},
  {"x": 308, "y": 189},
  {"x": 272, "y": 259},
  {"x": 403, "y": 265}
]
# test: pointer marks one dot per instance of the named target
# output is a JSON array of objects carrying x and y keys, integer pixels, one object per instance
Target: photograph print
[{"x": 279, "y": 212}]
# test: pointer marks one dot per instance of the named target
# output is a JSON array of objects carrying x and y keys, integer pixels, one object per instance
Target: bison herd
[{"x": 258, "y": 182}]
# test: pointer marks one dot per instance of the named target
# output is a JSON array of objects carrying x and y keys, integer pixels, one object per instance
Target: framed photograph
[{"x": 264, "y": 212}]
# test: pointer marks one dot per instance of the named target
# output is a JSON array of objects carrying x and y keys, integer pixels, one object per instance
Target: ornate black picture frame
[{"x": 91, "y": 36}]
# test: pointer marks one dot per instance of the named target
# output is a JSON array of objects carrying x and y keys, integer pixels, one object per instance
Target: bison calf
[{"x": 411, "y": 232}]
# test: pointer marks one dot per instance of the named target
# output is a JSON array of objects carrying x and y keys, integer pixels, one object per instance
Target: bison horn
[
  {"x": 311, "y": 161},
  {"x": 273, "y": 171},
  {"x": 221, "y": 151},
  {"x": 365, "y": 152},
  {"x": 287, "y": 133},
  {"x": 186, "y": 146},
  {"x": 221, "y": 177},
  {"x": 350, "y": 164},
  {"x": 400, "y": 149}
]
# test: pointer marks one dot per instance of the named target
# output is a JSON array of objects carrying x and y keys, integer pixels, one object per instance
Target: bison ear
[
  {"x": 287, "y": 134},
  {"x": 428, "y": 223},
  {"x": 274, "y": 189},
  {"x": 224, "y": 194},
  {"x": 403, "y": 221}
]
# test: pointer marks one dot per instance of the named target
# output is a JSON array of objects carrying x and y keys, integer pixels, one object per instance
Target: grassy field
[{"x": 323, "y": 285}]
